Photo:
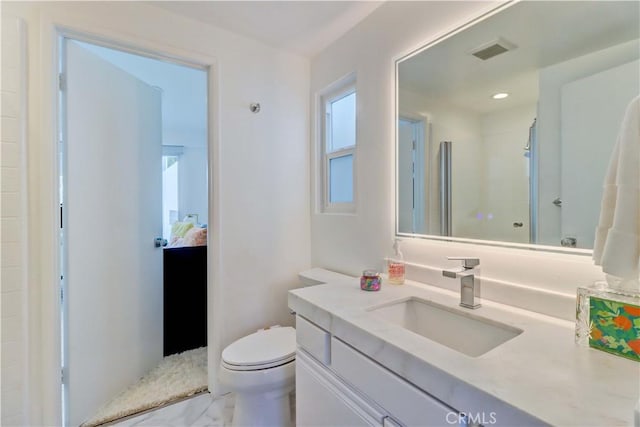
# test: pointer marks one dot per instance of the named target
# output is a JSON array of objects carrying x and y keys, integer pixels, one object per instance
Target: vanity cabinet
[
  {"x": 337, "y": 385},
  {"x": 322, "y": 399}
]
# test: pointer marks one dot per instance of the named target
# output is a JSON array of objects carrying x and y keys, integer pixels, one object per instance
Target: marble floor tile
[{"x": 198, "y": 411}]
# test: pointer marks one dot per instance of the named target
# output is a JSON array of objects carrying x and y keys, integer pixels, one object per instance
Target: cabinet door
[
  {"x": 405, "y": 402},
  {"x": 321, "y": 399}
]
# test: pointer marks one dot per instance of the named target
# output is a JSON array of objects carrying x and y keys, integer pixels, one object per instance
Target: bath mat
[{"x": 176, "y": 377}]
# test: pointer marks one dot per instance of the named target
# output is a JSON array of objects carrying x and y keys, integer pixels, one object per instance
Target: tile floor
[{"x": 198, "y": 411}]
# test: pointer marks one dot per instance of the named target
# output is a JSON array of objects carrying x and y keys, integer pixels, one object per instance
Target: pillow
[
  {"x": 196, "y": 236},
  {"x": 176, "y": 242},
  {"x": 179, "y": 229}
]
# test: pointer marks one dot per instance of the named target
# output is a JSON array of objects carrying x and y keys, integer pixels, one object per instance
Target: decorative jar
[{"x": 370, "y": 280}]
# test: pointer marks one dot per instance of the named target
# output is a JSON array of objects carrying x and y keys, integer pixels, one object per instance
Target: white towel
[{"x": 617, "y": 243}]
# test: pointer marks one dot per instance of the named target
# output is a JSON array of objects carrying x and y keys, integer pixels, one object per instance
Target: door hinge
[
  {"x": 62, "y": 82},
  {"x": 61, "y": 217},
  {"x": 413, "y": 145},
  {"x": 63, "y": 378}
]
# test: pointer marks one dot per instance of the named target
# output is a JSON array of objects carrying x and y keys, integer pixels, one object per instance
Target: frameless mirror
[{"x": 505, "y": 128}]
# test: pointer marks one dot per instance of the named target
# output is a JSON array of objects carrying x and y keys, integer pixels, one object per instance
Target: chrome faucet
[{"x": 469, "y": 287}]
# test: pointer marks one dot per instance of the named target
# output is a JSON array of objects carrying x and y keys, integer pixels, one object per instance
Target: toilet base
[{"x": 263, "y": 409}]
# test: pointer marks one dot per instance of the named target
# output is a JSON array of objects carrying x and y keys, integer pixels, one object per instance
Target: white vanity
[
  {"x": 339, "y": 386},
  {"x": 528, "y": 175},
  {"x": 362, "y": 360}
]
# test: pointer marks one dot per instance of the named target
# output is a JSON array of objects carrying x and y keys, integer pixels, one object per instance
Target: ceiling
[
  {"x": 302, "y": 27},
  {"x": 544, "y": 32}
]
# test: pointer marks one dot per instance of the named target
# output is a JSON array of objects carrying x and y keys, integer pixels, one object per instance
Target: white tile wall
[{"x": 13, "y": 290}]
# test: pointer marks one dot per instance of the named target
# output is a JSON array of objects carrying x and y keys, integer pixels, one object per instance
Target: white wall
[
  {"x": 350, "y": 243},
  {"x": 490, "y": 175},
  {"x": 592, "y": 111},
  {"x": 260, "y": 188},
  {"x": 552, "y": 79},
  {"x": 13, "y": 290},
  {"x": 505, "y": 193},
  {"x": 462, "y": 128}
]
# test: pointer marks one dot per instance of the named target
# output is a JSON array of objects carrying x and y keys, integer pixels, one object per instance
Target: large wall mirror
[{"x": 527, "y": 167}]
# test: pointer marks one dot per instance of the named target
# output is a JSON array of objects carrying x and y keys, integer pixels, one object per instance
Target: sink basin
[{"x": 456, "y": 329}]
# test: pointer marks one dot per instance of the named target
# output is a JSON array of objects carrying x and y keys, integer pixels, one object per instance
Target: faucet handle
[{"x": 467, "y": 262}]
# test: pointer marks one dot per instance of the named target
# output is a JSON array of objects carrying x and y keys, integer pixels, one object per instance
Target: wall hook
[{"x": 254, "y": 107}]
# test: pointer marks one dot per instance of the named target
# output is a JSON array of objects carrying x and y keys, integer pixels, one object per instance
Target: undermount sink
[{"x": 456, "y": 329}]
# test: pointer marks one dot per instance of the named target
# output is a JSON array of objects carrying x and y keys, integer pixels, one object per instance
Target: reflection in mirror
[{"x": 528, "y": 166}]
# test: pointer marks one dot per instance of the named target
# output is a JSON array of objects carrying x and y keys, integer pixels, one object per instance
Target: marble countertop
[{"x": 539, "y": 377}]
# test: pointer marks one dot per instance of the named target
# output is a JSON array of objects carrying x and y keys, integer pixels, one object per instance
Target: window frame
[
  {"x": 337, "y": 91},
  {"x": 176, "y": 151}
]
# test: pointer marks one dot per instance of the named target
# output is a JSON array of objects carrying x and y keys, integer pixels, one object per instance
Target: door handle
[{"x": 159, "y": 242}]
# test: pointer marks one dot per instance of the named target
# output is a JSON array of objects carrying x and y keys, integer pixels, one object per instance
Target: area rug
[{"x": 176, "y": 377}]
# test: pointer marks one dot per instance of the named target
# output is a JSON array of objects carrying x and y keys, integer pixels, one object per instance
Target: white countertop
[{"x": 539, "y": 377}]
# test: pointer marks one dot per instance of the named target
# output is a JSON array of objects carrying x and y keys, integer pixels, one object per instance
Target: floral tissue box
[{"x": 611, "y": 325}]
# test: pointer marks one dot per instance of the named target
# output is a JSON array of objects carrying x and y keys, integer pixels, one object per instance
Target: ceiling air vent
[{"x": 492, "y": 48}]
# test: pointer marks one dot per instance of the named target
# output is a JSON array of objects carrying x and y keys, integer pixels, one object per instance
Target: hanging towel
[{"x": 617, "y": 242}]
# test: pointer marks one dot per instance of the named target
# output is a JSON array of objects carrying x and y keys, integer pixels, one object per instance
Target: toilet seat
[{"x": 261, "y": 350}]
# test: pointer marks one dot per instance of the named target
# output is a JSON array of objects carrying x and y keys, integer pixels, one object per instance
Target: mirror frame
[{"x": 396, "y": 114}]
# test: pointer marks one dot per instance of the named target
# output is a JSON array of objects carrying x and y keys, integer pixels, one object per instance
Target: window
[
  {"x": 170, "y": 162},
  {"x": 339, "y": 148}
]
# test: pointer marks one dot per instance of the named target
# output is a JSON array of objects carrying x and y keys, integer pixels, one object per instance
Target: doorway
[
  {"x": 412, "y": 193},
  {"x": 133, "y": 162}
]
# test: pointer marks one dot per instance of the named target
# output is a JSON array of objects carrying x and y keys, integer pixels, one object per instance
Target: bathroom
[{"x": 265, "y": 221}]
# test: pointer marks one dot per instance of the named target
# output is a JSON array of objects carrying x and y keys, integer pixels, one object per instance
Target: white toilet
[{"x": 260, "y": 370}]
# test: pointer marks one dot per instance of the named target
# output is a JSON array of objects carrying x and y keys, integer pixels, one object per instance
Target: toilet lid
[{"x": 266, "y": 347}]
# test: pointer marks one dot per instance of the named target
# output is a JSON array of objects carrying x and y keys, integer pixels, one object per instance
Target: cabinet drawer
[
  {"x": 314, "y": 340},
  {"x": 405, "y": 402},
  {"x": 323, "y": 400}
]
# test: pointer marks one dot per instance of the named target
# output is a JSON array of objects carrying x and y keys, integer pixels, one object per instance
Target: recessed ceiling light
[{"x": 501, "y": 95}]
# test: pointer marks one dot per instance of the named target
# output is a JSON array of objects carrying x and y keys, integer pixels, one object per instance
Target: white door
[{"x": 113, "y": 208}]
